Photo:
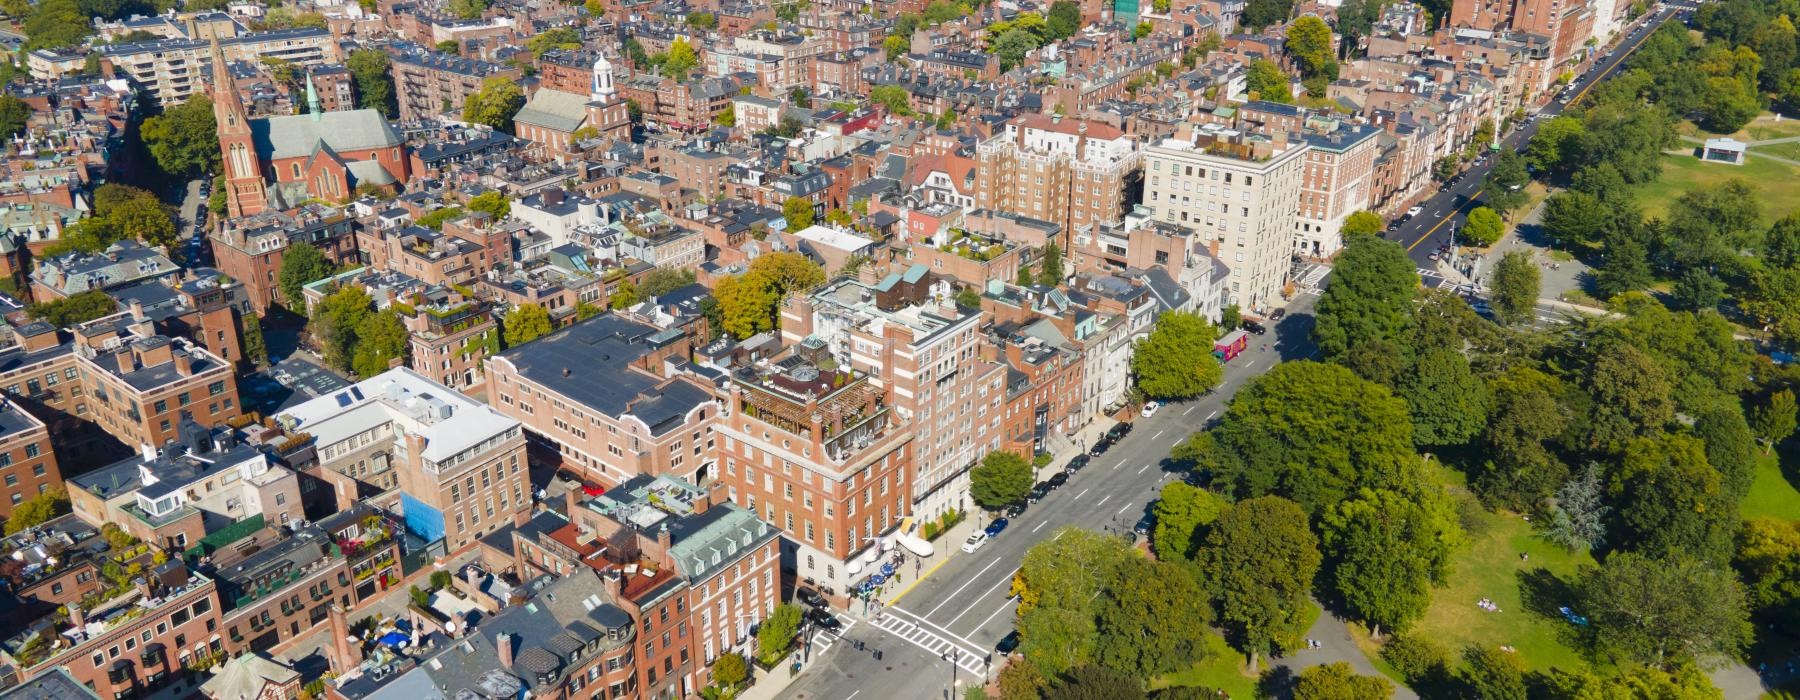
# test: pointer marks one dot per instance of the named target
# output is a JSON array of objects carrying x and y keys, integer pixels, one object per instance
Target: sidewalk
[
  {"x": 769, "y": 684},
  {"x": 949, "y": 544}
]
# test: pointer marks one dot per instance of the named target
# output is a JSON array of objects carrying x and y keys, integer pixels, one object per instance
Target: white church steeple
[{"x": 602, "y": 89}]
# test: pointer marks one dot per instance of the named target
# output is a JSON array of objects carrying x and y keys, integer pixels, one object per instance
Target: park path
[{"x": 1336, "y": 645}]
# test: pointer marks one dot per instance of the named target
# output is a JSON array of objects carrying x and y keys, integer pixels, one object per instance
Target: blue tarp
[{"x": 394, "y": 639}]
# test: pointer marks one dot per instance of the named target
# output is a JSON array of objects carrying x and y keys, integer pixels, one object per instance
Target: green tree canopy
[
  {"x": 184, "y": 140},
  {"x": 380, "y": 338},
  {"x": 1504, "y": 188},
  {"x": 1259, "y": 561},
  {"x": 37, "y": 510},
  {"x": 493, "y": 202},
  {"x": 1265, "y": 80},
  {"x": 1370, "y": 297},
  {"x": 798, "y": 212},
  {"x": 1362, "y": 222},
  {"x": 1448, "y": 404},
  {"x": 14, "y": 114},
  {"x": 1484, "y": 227},
  {"x": 74, "y": 309},
  {"x": 1671, "y": 500},
  {"x": 1515, "y": 288},
  {"x": 495, "y": 103},
  {"x": 1001, "y": 478},
  {"x": 1386, "y": 550},
  {"x": 1183, "y": 513},
  {"x": 1774, "y": 419},
  {"x": 1151, "y": 619},
  {"x": 334, "y": 323},
  {"x": 1338, "y": 681},
  {"x": 1058, "y": 586},
  {"x": 301, "y": 264},
  {"x": 525, "y": 323},
  {"x": 1314, "y": 433},
  {"x": 1175, "y": 361},
  {"x": 56, "y": 24},
  {"x": 894, "y": 97},
  {"x": 1657, "y": 611},
  {"x": 369, "y": 73}
]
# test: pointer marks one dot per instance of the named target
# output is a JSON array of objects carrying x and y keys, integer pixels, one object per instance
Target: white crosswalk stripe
[
  {"x": 823, "y": 640},
  {"x": 918, "y": 632}
]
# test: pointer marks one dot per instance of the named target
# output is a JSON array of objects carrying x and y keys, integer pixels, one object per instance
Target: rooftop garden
[{"x": 973, "y": 247}]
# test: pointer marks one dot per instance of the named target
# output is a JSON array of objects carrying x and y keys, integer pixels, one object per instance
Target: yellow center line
[{"x": 1440, "y": 224}]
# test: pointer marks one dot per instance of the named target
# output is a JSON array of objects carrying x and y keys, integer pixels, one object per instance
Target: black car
[
  {"x": 1058, "y": 479},
  {"x": 1118, "y": 431},
  {"x": 810, "y": 597},
  {"x": 1255, "y": 328},
  {"x": 1038, "y": 492},
  {"x": 1100, "y": 447},
  {"x": 1008, "y": 644},
  {"x": 1144, "y": 524},
  {"x": 1016, "y": 508},
  {"x": 1076, "y": 464},
  {"x": 1277, "y": 314},
  {"x": 823, "y": 619}
]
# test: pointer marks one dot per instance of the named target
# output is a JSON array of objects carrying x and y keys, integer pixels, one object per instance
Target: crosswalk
[
  {"x": 933, "y": 639},
  {"x": 823, "y": 640}
]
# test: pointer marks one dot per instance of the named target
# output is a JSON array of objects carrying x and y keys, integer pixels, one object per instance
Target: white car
[
  {"x": 974, "y": 542},
  {"x": 1150, "y": 408},
  {"x": 1415, "y": 211}
]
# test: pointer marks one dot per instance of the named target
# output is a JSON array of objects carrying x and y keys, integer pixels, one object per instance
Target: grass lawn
[
  {"x": 1771, "y": 496},
  {"x": 1489, "y": 566},
  {"x": 1771, "y": 181},
  {"x": 1223, "y": 669},
  {"x": 1762, "y": 129}
]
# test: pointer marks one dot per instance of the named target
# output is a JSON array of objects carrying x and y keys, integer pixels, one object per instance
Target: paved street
[
  {"x": 964, "y": 607},
  {"x": 1445, "y": 211}
]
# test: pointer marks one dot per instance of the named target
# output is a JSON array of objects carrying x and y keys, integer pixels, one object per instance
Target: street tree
[
  {"x": 1183, "y": 512},
  {"x": 1483, "y": 228},
  {"x": 1175, "y": 361},
  {"x": 525, "y": 323},
  {"x": 1133, "y": 615},
  {"x": 1557, "y": 142},
  {"x": 1001, "y": 478},
  {"x": 1569, "y": 216},
  {"x": 301, "y": 264},
  {"x": 1258, "y": 562},
  {"x": 1371, "y": 295},
  {"x": 1312, "y": 432},
  {"x": 1515, "y": 288},
  {"x": 184, "y": 139},
  {"x": 1363, "y": 222},
  {"x": 1656, "y": 611},
  {"x": 1504, "y": 188},
  {"x": 1386, "y": 551}
]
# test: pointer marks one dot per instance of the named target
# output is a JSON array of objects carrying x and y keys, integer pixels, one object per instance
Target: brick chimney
[
  {"x": 137, "y": 310},
  {"x": 127, "y": 361},
  {"x": 77, "y": 617},
  {"x": 503, "y": 645},
  {"x": 344, "y": 656},
  {"x": 184, "y": 364}
]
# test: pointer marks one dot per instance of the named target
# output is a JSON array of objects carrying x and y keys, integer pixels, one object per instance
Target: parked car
[
  {"x": 1038, "y": 492},
  {"x": 1118, "y": 431},
  {"x": 1255, "y": 328},
  {"x": 1100, "y": 447},
  {"x": 1144, "y": 525},
  {"x": 1278, "y": 314},
  {"x": 1076, "y": 464},
  {"x": 810, "y": 597},
  {"x": 1415, "y": 211},
  {"x": 823, "y": 619},
  {"x": 974, "y": 542},
  {"x": 1008, "y": 644},
  {"x": 1058, "y": 479},
  {"x": 1016, "y": 508},
  {"x": 995, "y": 528},
  {"x": 1150, "y": 408}
]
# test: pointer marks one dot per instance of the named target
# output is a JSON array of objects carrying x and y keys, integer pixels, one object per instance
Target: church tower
[
  {"x": 243, "y": 174},
  {"x": 607, "y": 112}
]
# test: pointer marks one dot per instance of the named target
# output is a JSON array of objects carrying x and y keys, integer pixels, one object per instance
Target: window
[{"x": 215, "y": 388}]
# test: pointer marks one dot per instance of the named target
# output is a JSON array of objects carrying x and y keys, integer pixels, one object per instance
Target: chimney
[
  {"x": 127, "y": 361},
  {"x": 503, "y": 645},
  {"x": 473, "y": 575},
  {"x": 77, "y": 617},
  {"x": 137, "y": 310},
  {"x": 572, "y": 499},
  {"x": 184, "y": 365},
  {"x": 344, "y": 655}
]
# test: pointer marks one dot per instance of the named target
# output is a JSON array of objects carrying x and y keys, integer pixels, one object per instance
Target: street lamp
[{"x": 953, "y": 657}]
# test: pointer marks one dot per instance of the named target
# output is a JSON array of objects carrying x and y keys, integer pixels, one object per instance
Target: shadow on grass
[
  {"x": 1277, "y": 682},
  {"x": 1544, "y": 594}
]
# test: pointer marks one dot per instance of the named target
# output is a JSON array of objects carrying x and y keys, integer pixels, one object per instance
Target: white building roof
[{"x": 449, "y": 421}]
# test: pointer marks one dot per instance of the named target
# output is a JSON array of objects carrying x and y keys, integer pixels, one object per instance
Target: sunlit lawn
[
  {"x": 1772, "y": 182},
  {"x": 1489, "y": 566},
  {"x": 1223, "y": 669},
  {"x": 1771, "y": 495}
]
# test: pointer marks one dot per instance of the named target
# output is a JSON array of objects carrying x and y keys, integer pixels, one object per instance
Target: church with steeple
[
  {"x": 557, "y": 111},
  {"x": 278, "y": 163}
]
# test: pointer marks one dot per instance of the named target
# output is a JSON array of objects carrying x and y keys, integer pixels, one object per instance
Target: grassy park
[
  {"x": 1772, "y": 495},
  {"x": 1770, "y": 180}
]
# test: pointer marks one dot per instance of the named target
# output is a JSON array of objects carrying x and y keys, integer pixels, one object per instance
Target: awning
[{"x": 912, "y": 543}]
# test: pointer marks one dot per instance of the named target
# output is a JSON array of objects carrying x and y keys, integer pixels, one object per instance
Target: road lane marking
[
  {"x": 977, "y": 575},
  {"x": 1215, "y": 412},
  {"x": 971, "y": 658},
  {"x": 1142, "y": 468},
  {"x": 948, "y": 633},
  {"x": 1103, "y": 501},
  {"x": 1040, "y": 526},
  {"x": 1120, "y": 464},
  {"x": 1083, "y": 493},
  {"x": 1123, "y": 508},
  {"x": 1157, "y": 435},
  {"x": 1190, "y": 409},
  {"x": 977, "y": 601},
  {"x": 990, "y": 618}
]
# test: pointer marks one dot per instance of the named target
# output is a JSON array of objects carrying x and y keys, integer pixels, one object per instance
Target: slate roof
[
  {"x": 573, "y": 360},
  {"x": 555, "y": 110},
  {"x": 297, "y": 136}
]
